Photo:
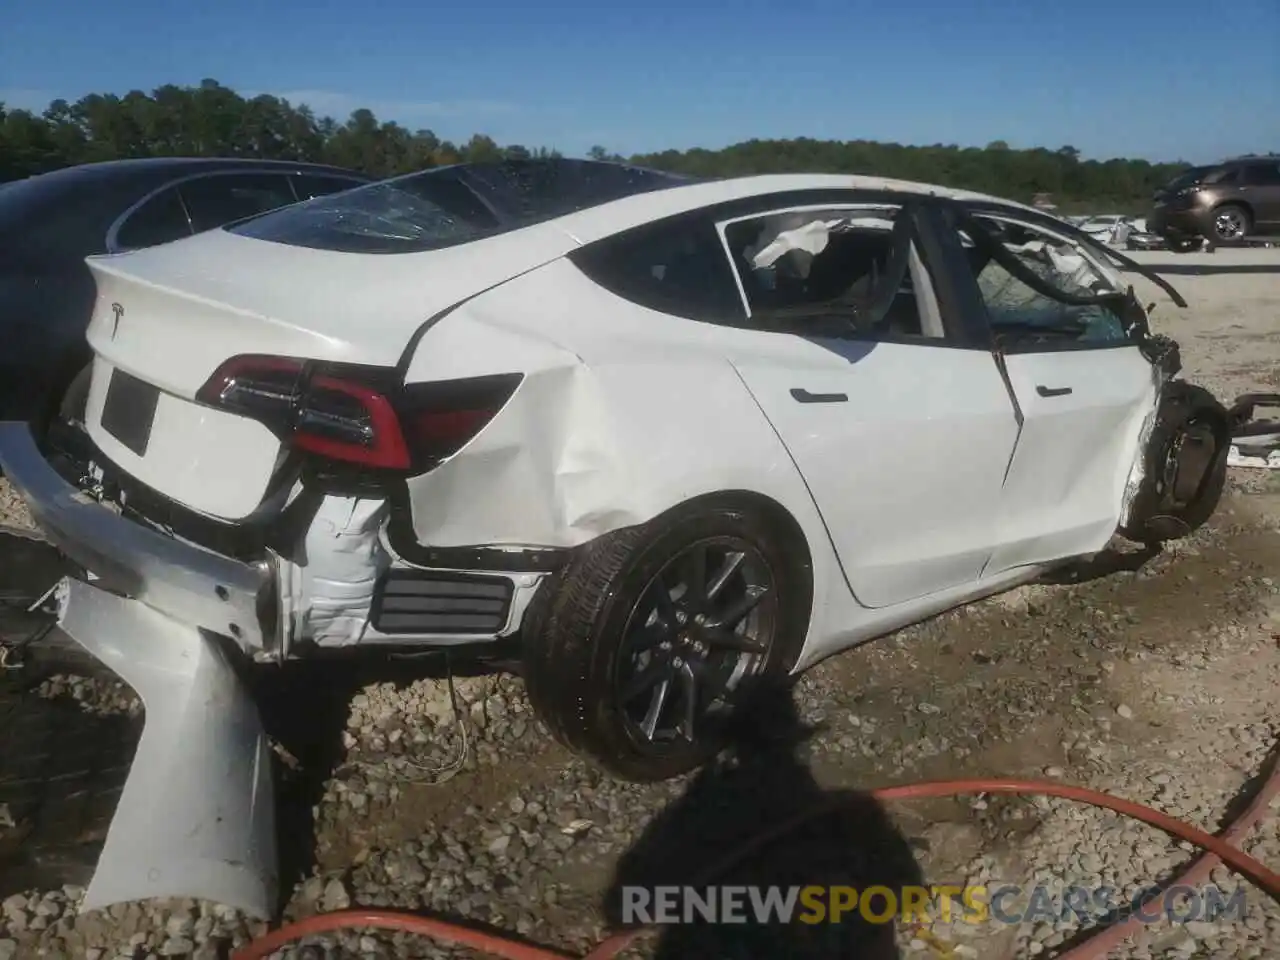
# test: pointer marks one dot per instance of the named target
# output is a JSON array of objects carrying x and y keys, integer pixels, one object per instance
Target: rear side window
[
  {"x": 160, "y": 220},
  {"x": 675, "y": 267},
  {"x": 1262, "y": 175},
  {"x": 308, "y": 186},
  {"x": 214, "y": 201},
  {"x": 838, "y": 273}
]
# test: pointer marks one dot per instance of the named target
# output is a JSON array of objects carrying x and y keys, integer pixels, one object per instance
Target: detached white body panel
[
  {"x": 196, "y": 817},
  {"x": 405, "y": 436}
]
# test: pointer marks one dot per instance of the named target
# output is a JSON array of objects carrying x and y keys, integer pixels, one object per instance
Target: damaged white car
[{"x": 669, "y": 437}]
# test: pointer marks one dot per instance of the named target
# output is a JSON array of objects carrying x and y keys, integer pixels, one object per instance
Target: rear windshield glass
[{"x": 451, "y": 205}]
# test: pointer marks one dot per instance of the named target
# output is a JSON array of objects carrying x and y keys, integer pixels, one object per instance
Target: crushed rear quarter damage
[{"x": 590, "y": 441}]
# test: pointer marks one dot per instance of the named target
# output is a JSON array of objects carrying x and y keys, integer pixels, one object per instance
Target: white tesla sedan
[{"x": 671, "y": 437}]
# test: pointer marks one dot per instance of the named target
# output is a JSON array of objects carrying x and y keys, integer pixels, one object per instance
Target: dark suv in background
[
  {"x": 1221, "y": 203},
  {"x": 49, "y": 223}
]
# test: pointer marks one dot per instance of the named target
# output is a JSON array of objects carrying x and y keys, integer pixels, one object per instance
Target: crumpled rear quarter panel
[{"x": 611, "y": 426}]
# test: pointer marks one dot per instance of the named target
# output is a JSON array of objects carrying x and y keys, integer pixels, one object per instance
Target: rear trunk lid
[
  {"x": 166, "y": 318},
  {"x": 172, "y": 314}
]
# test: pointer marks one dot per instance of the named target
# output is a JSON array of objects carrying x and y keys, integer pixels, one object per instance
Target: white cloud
[{"x": 409, "y": 112}]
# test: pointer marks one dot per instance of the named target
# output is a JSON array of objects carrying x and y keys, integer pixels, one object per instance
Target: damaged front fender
[
  {"x": 197, "y": 814},
  {"x": 1177, "y": 483}
]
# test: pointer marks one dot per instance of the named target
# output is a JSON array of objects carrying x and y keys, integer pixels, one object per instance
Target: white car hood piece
[
  {"x": 171, "y": 314},
  {"x": 197, "y": 815}
]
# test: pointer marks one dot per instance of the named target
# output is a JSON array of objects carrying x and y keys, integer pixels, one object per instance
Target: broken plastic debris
[
  {"x": 1261, "y": 456},
  {"x": 196, "y": 817}
]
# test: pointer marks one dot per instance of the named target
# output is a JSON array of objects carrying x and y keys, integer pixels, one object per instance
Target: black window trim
[{"x": 113, "y": 232}]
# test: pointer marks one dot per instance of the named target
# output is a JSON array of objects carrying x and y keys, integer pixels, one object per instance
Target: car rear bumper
[
  {"x": 189, "y": 584},
  {"x": 196, "y": 817}
]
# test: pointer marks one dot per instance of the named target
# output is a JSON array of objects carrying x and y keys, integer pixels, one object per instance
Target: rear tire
[{"x": 602, "y": 628}]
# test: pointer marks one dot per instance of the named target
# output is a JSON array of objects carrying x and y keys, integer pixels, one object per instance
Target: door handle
[
  {"x": 804, "y": 396},
  {"x": 1052, "y": 391}
]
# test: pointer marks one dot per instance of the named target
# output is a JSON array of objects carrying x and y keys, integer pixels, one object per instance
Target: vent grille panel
[{"x": 425, "y": 601}]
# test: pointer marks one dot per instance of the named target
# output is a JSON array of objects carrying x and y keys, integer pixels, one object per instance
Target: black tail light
[{"x": 358, "y": 415}]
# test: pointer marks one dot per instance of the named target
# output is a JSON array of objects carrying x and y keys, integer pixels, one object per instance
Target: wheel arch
[
  {"x": 573, "y": 630},
  {"x": 1244, "y": 205},
  {"x": 1172, "y": 500}
]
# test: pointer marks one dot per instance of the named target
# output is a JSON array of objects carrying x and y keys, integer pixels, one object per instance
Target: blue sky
[{"x": 1110, "y": 77}]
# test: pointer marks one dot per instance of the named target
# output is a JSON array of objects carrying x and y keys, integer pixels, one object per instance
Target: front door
[
  {"x": 902, "y": 432},
  {"x": 1083, "y": 389}
]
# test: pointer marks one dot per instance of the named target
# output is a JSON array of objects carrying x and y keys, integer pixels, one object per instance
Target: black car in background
[{"x": 51, "y": 222}]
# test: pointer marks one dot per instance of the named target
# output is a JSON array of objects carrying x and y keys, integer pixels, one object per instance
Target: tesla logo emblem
[{"x": 118, "y": 312}]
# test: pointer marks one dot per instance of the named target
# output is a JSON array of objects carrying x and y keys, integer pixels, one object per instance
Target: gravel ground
[
  {"x": 1159, "y": 682},
  {"x": 1129, "y": 683},
  {"x": 13, "y": 510}
]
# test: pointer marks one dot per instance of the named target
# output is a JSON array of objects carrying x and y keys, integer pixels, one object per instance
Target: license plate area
[{"x": 129, "y": 411}]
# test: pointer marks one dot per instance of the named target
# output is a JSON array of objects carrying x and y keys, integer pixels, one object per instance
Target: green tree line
[{"x": 213, "y": 120}]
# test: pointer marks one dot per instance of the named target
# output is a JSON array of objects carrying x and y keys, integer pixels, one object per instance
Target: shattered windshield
[
  {"x": 449, "y": 206},
  {"x": 1018, "y": 310}
]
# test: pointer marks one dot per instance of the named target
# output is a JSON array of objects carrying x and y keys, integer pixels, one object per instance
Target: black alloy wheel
[
  {"x": 639, "y": 652},
  {"x": 702, "y": 626}
]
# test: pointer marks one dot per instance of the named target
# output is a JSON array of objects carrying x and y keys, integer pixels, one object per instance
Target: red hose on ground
[{"x": 1096, "y": 948}]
